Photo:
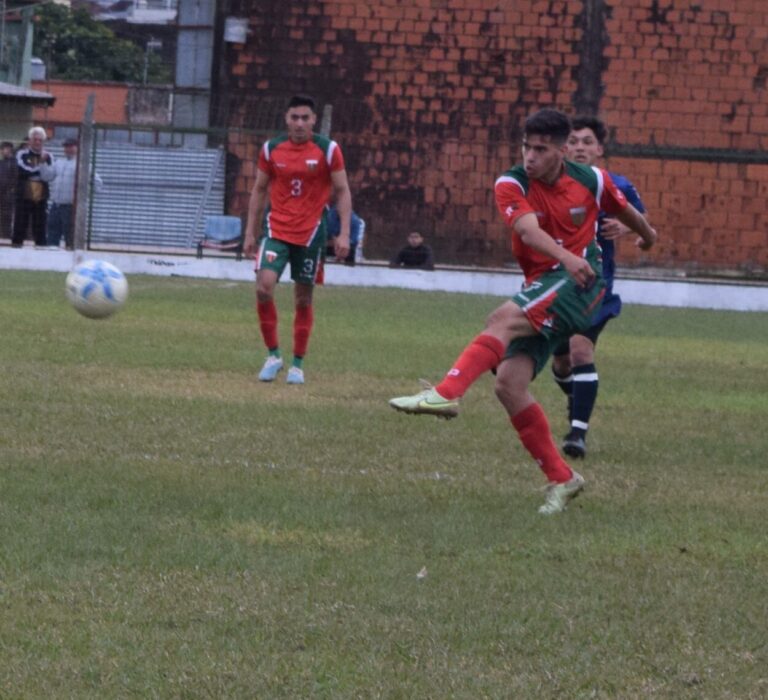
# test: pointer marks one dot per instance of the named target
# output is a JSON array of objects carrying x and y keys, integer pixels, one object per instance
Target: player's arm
[
  {"x": 527, "y": 228},
  {"x": 256, "y": 207},
  {"x": 343, "y": 198},
  {"x": 611, "y": 228},
  {"x": 636, "y": 222}
]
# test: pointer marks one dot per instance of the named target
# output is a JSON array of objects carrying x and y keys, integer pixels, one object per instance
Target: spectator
[
  {"x": 8, "y": 177},
  {"x": 35, "y": 171},
  {"x": 60, "y": 219},
  {"x": 415, "y": 255},
  {"x": 356, "y": 234}
]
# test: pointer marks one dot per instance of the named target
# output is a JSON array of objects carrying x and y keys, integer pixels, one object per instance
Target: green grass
[{"x": 172, "y": 528}]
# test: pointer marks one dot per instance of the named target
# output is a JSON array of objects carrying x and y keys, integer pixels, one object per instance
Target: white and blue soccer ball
[{"x": 96, "y": 289}]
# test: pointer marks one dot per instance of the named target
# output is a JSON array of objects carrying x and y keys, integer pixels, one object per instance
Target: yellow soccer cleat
[{"x": 428, "y": 402}]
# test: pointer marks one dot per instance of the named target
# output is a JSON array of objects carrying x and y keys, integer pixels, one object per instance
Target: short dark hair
[
  {"x": 301, "y": 101},
  {"x": 70, "y": 142},
  {"x": 597, "y": 126},
  {"x": 548, "y": 122},
  {"x": 6, "y": 144}
]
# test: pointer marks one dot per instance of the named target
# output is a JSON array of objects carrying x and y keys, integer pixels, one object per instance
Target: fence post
[
  {"x": 83, "y": 187},
  {"x": 206, "y": 193},
  {"x": 325, "y": 122}
]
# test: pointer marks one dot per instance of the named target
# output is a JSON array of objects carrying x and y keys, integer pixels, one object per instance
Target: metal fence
[{"x": 154, "y": 196}]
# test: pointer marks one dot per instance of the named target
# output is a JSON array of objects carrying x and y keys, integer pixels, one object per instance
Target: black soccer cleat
[{"x": 574, "y": 445}]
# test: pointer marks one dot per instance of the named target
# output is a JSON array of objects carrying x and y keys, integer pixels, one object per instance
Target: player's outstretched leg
[
  {"x": 483, "y": 354},
  {"x": 428, "y": 401}
]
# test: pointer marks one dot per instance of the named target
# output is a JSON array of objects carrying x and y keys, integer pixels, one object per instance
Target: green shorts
[
  {"x": 556, "y": 308},
  {"x": 306, "y": 261}
]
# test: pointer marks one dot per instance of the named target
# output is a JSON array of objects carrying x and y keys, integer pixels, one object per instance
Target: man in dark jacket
[{"x": 35, "y": 171}]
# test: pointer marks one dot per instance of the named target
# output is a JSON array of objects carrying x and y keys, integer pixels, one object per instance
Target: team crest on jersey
[
  {"x": 311, "y": 164},
  {"x": 271, "y": 256},
  {"x": 578, "y": 215}
]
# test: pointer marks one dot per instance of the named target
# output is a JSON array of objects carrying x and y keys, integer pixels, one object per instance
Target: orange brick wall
[
  {"x": 109, "y": 106},
  {"x": 429, "y": 97}
]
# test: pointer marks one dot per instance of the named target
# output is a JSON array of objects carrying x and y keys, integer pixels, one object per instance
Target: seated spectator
[
  {"x": 415, "y": 255},
  {"x": 356, "y": 234}
]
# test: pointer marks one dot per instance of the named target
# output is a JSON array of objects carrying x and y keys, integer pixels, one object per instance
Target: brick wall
[
  {"x": 110, "y": 104},
  {"x": 429, "y": 97}
]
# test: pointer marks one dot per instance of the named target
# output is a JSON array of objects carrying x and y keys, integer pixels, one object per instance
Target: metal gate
[{"x": 155, "y": 196}]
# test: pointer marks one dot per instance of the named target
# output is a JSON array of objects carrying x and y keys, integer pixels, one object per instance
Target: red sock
[
  {"x": 267, "y": 312},
  {"x": 533, "y": 429},
  {"x": 482, "y": 354},
  {"x": 302, "y": 327}
]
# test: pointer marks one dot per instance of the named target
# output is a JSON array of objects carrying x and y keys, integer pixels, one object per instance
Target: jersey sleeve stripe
[
  {"x": 600, "y": 184},
  {"x": 329, "y": 153},
  {"x": 508, "y": 179}
]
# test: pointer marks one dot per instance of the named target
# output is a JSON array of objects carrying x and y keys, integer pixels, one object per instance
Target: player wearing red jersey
[
  {"x": 551, "y": 207},
  {"x": 296, "y": 174}
]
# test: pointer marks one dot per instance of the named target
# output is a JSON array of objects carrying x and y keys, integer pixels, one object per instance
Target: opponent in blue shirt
[
  {"x": 573, "y": 363},
  {"x": 356, "y": 234}
]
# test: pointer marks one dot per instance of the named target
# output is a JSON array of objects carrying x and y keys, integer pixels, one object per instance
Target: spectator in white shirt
[{"x": 60, "y": 217}]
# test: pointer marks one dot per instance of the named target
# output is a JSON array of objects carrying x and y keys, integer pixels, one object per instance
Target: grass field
[{"x": 172, "y": 528}]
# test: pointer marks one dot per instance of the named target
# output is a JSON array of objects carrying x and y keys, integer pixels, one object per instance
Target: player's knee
[
  {"x": 264, "y": 293},
  {"x": 582, "y": 351}
]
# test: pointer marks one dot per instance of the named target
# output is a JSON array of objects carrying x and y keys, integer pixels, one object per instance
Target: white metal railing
[{"x": 155, "y": 4}]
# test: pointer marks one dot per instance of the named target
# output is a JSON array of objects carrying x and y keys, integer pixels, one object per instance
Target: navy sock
[{"x": 583, "y": 395}]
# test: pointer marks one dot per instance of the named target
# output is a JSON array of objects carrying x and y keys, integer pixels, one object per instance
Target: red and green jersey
[
  {"x": 567, "y": 210},
  {"x": 300, "y": 185}
]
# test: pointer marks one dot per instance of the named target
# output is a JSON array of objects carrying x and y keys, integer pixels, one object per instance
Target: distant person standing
[
  {"x": 415, "y": 255},
  {"x": 8, "y": 177},
  {"x": 35, "y": 171},
  {"x": 296, "y": 174},
  {"x": 60, "y": 216}
]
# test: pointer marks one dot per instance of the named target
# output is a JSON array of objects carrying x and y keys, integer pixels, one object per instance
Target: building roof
[{"x": 16, "y": 92}]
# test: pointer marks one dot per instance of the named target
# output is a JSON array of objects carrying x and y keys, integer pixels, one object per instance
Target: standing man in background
[
  {"x": 35, "y": 171},
  {"x": 60, "y": 217},
  {"x": 297, "y": 174},
  {"x": 573, "y": 362},
  {"x": 8, "y": 177}
]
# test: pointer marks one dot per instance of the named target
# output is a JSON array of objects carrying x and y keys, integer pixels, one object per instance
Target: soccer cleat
[
  {"x": 427, "y": 401},
  {"x": 559, "y": 495},
  {"x": 295, "y": 376},
  {"x": 574, "y": 445},
  {"x": 270, "y": 369}
]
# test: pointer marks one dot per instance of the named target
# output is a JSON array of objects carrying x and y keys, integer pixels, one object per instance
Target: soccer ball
[{"x": 96, "y": 288}]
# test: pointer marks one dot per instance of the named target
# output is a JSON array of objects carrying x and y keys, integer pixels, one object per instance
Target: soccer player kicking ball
[
  {"x": 551, "y": 205},
  {"x": 296, "y": 174},
  {"x": 573, "y": 363}
]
